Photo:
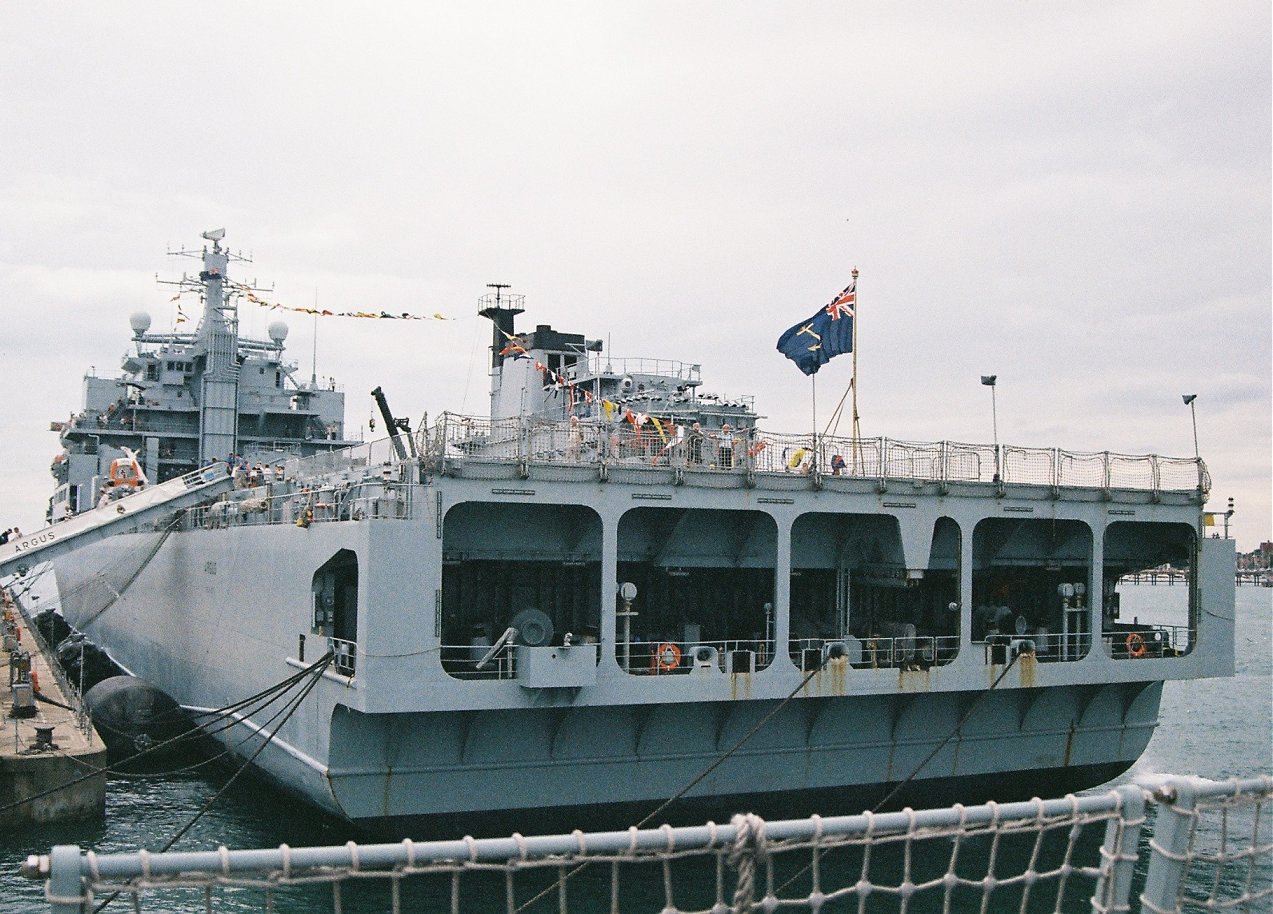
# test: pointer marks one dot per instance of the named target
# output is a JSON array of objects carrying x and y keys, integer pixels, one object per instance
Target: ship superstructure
[
  {"x": 185, "y": 399},
  {"x": 585, "y": 599}
]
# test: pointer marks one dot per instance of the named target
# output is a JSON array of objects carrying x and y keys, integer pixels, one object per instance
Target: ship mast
[
  {"x": 217, "y": 341},
  {"x": 219, "y": 334}
]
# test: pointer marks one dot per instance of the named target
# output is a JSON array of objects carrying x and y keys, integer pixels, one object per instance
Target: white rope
[{"x": 747, "y": 849}]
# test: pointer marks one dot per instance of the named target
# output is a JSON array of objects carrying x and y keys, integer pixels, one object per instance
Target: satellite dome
[
  {"x": 278, "y": 332},
  {"x": 140, "y": 322}
]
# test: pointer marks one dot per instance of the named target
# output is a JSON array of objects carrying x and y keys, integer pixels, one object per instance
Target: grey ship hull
[{"x": 215, "y": 616}]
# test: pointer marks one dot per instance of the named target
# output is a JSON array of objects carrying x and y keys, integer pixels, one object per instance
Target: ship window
[
  {"x": 335, "y": 595},
  {"x": 1030, "y": 582},
  {"x": 1150, "y": 591},
  {"x": 501, "y": 560},
  {"x": 152, "y": 372},
  {"x": 856, "y": 594},
  {"x": 705, "y": 586}
]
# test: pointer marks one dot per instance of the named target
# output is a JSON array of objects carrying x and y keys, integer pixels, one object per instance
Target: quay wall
[{"x": 30, "y": 774}]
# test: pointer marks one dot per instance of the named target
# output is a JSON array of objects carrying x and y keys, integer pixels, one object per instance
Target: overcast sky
[{"x": 1072, "y": 196}]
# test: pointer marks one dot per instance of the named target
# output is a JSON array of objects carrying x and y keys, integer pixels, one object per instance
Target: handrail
[{"x": 457, "y": 438}]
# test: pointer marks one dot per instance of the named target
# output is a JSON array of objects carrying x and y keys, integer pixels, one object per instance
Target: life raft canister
[
  {"x": 667, "y": 657},
  {"x": 124, "y": 472}
]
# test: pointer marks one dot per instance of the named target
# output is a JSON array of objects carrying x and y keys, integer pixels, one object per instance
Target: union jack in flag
[{"x": 842, "y": 305}]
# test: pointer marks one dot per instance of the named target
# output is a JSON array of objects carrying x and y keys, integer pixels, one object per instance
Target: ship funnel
[{"x": 500, "y": 307}]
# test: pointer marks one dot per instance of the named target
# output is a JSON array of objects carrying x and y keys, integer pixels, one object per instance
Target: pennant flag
[
  {"x": 813, "y": 343},
  {"x": 324, "y": 312},
  {"x": 515, "y": 348}
]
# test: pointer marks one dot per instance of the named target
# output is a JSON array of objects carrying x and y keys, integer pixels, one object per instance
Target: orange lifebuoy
[
  {"x": 668, "y": 657},
  {"x": 1135, "y": 645}
]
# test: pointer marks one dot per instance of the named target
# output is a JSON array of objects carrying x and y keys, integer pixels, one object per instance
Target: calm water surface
[{"x": 1217, "y": 728}]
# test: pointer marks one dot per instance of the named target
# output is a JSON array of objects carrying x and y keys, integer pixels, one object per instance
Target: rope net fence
[{"x": 1208, "y": 850}]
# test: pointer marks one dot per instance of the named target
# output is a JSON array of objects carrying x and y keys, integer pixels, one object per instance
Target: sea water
[{"x": 1217, "y": 728}]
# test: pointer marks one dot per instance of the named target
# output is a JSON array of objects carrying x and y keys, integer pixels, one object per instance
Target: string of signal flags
[{"x": 316, "y": 312}]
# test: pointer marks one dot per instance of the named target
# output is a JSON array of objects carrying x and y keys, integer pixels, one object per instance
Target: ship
[
  {"x": 618, "y": 587},
  {"x": 183, "y": 400}
]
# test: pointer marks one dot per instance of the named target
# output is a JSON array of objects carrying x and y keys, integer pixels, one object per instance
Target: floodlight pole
[
  {"x": 989, "y": 381},
  {"x": 1188, "y": 400},
  {"x": 994, "y": 425},
  {"x": 1193, "y": 414}
]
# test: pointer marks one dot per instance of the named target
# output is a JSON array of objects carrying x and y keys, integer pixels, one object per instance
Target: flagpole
[
  {"x": 813, "y": 462},
  {"x": 857, "y": 430}
]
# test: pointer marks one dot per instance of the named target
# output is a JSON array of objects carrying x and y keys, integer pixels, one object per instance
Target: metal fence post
[
  {"x": 66, "y": 889},
  {"x": 1168, "y": 846},
  {"x": 1118, "y": 854},
  {"x": 523, "y": 447}
]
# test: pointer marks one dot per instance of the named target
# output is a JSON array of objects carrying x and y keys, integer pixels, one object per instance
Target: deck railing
[
  {"x": 343, "y": 654},
  {"x": 454, "y": 439},
  {"x": 908, "y": 652},
  {"x": 679, "y": 658},
  {"x": 310, "y": 505}
]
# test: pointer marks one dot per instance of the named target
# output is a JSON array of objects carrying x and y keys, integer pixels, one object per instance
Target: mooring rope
[
  {"x": 918, "y": 768},
  {"x": 720, "y": 760},
  {"x": 316, "y": 675},
  {"x": 94, "y": 771}
]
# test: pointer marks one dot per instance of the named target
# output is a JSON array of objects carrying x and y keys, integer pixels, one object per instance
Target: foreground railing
[
  {"x": 1210, "y": 850},
  {"x": 655, "y": 444}
]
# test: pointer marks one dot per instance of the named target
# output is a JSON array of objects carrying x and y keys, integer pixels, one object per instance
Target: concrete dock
[{"x": 42, "y": 746}]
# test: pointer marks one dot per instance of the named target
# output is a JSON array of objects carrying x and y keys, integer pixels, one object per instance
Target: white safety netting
[{"x": 1209, "y": 850}]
